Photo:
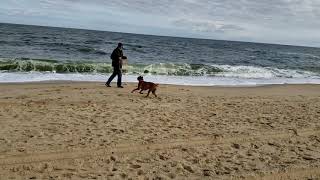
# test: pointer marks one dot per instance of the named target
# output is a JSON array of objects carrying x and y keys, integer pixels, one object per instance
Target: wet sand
[{"x": 64, "y": 130}]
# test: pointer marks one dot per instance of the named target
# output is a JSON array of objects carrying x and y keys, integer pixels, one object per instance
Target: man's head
[{"x": 120, "y": 45}]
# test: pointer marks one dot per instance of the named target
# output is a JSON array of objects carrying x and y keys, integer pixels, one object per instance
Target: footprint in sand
[
  {"x": 135, "y": 166},
  {"x": 22, "y": 97},
  {"x": 140, "y": 172},
  {"x": 188, "y": 168}
]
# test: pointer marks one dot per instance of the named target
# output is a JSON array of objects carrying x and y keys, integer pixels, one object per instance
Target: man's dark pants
[{"x": 116, "y": 72}]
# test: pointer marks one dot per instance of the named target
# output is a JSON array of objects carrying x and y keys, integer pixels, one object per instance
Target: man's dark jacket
[{"x": 116, "y": 54}]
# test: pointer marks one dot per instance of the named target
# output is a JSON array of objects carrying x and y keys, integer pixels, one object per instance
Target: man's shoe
[
  {"x": 108, "y": 85},
  {"x": 120, "y": 86}
]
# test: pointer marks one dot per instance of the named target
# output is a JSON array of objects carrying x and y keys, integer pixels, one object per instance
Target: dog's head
[{"x": 140, "y": 78}]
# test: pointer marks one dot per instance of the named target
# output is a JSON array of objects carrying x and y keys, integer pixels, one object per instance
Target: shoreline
[{"x": 133, "y": 83}]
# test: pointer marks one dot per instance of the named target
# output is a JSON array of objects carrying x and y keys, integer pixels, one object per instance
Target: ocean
[{"x": 35, "y": 53}]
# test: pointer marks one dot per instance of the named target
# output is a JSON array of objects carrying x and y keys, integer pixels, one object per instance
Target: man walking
[{"x": 117, "y": 56}]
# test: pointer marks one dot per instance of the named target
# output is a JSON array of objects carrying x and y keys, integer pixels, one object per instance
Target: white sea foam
[
  {"x": 176, "y": 80},
  {"x": 261, "y": 72}
]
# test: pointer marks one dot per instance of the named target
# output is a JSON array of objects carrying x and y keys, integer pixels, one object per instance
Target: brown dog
[{"x": 145, "y": 86}]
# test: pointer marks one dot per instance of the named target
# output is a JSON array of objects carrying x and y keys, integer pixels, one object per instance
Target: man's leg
[
  {"x": 111, "y": 78},
  {"x": 119, "y": 78}
]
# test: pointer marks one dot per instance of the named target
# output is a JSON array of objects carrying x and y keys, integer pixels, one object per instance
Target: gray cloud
[{"x": 207, "y": 26}]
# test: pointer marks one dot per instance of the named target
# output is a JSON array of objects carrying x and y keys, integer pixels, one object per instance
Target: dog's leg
[
  {"x": 154, "y": 93},
  {"x": 141, "y": 91},
  {"x": 148, "y": 93},
  {"x": 134, "y": 90}
]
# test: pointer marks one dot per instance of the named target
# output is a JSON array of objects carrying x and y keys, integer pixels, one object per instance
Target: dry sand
[{"x": 63, "y": 130}]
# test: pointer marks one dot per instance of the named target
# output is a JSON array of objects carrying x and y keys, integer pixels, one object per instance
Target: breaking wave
[{"x": 168, "y": 69}]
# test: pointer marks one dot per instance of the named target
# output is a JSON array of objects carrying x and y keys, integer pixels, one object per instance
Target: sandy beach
[{"x": 69, "y": 130}]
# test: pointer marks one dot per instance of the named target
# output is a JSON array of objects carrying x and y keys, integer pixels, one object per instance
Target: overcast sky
[{"x": 272, "y": 21}]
